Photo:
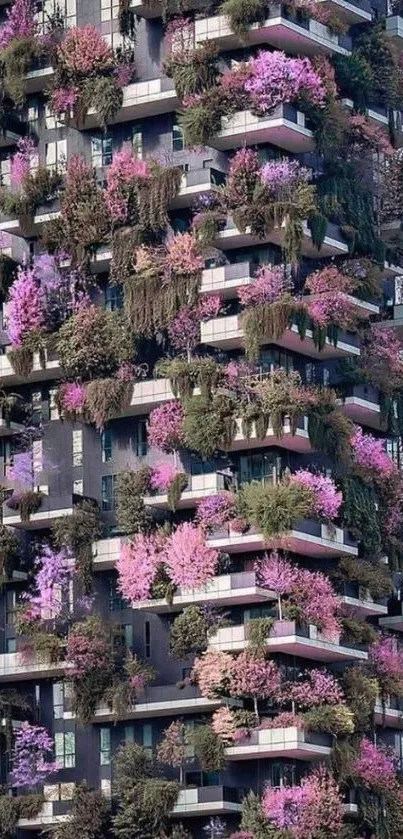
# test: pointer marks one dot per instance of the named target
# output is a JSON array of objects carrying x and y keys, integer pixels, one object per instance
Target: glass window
[
  {"x": 137, "y": 139},
  {"x": 109, "y": 492},
  {"x": 55, "y": 9},
  {"x": 178, "y": 143},
  {"x": 264, "y": 467},
  {"x": 128, "y": 635},
  {"x": 147, "y": 639},
  {"x": 53, "y": 409},
  {"x": 147, "y": 737},
  {"x": 109, "y": 9},
  {"x": 65, "y": 749},
  {"x": 114, "y": 297},
  {"x": 36, "y": 407},
  {"x": 128, "y": 734},
  {"x": 58, "y": 700},
  {"x": 116, "y": 602},
  {"x": 11, "y": 645},
  {"x": 33, "y": 110},
  {"x": 56, "y": 155},
  {"x": 106, "y": 445},
  {"x": 198, "y": 466},
  {"x": 101, "y": 151},
  {"x": 5, "y": 164},
  {"x": 139, "y": 439},
  {"x": 77, "y": 447},
  {"x": 11, "y": 606},
  {"x": 105, "y": 746}
]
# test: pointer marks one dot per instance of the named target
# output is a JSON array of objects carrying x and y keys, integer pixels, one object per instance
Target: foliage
[
  {"x": 370, "y": 575},
  {"x": 144, "y": 801},
  {"x": 374, "y": 767},
  {"x": 209, "y": 425},
  {"x": 332, "y": 719},
  {"x": 274, "y": 509},
  {"x": 209, "y": 749},
  {"x": 16, "y": 59},
  {"x": 89, "y": 649},
  {"x": 307, "y": 810},
  {"x": 242, "y": 14},
  {"x": 174, "y": 747},
  {"x": 360, "y": 514},
  {"x": 188, "y": 634},
  {"x": 32, "y": 748},
  {"x": 361, "y": 692},
  {"x": 212, "y": 671},
  {"x": 131, "y": 513},
  {"x": 76, "y": 533},
  {"x": 328, "y": 428},
  {"x": 89, "y": 817},
  {"x": 326, "y": 499},
  {"x": 93, "y": 342},
  {"x": 25, "y": 311},
  {"x": 255, "y": 677},
  {"x": 106, "y": 399}
]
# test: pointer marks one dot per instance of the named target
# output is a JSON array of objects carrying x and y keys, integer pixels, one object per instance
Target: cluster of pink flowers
[
  {"x": 165, "y": 426},
  {"x": 327, "y": 499},
  {"x": 383, "y": 354},
  {"x": 242, "y": 177},
  {"x": 369, "y": 453},
  {"x": 20, "y": 22},
  {"x": 281, "y": 177},
  {"x": 215, "y": 510},
  {"x": 314, "y": 807},
  {"x": 162, "y": 475},
  {"x": 329, "y": 280},
  {"x": 184, "y": 331},
  {"x": 385, "y": 658},
  {"x": 268, "y": 286},
  {"x": 374, "y": 767},
  {"x": 182, "y": 255},
  {"x": 33, "y": 745},
  {"x": 72, "y": 396},
  {"x": 320, "y": 688},
  {"x": 331, "y": 308},
  {"x": 25, "y": 311},
  {"x": 21, "y": 161},
  {"x": 276, "y": 79},
  {"x": 137, "y": 567},
  {"x": 51, "y": 579},
  {"x": 84, "y": 51},
  {"x": 124, "y": 170},
  {"x": 63, "y": 99}
]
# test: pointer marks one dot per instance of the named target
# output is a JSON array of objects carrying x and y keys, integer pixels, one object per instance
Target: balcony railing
[
  {"x": 290, "y": 742},
  {"x": 308, "y": 537}
]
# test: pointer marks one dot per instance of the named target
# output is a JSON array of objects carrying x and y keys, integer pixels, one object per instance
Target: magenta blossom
[
  {"x": 25, "y": 311},
  {"x": 276, "y": 79},
  {"x": 369, "y": 453},
  {"x": 162, "y": 475},
  {"x": 165, "y": 426},
  {"x": 327, "y": 499},
  {"x": 215, "y": 510},
  {"x": 21, "y": 160},
  {"x": 268, "y": 286},
  {"x": 33, "y": 747},
  {"x": 72, "y": 396},
  {"x": 374, "y": 767}
]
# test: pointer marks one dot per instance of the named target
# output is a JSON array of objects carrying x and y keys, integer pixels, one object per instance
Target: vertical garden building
[{"x": 201, "y": 419}]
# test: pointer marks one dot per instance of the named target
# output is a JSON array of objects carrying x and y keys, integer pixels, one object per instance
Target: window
[
  {"x": 147, "y": 639},
  {"x": 105, "y": 746},
  {"x": 109, "y": 9},
  {"x": 11, "y": 606},
  {"x": 58, "y": 700},
  {"x": 128, "y": 635},
  {"x": 128, "y": 734},
  {"x": 65, "y": 749},
  {"x": 264, "y": 467},
  {"x": 51, "y": 9},
  {"x": 78, "y": 486},
  {"x": 116, "y": 602},
  {"x": 33, "y": 110},
  {"x": 36, "y": 407},
  {"x": 56, "y": 155},
  {"x": 53, "y": 409},
  {"x": 109, "y": 492},
  {"x": 106, "y": 445},
  {"x": 139, "y": 439},
  {"x": 5, "y": 165},
  {"x": 137, "y": 139},
  {"x": 114, "y": 298},
  {"x": 101, "y": 151},
  {"x": 178, "y": 143},
  {"x": 77, "y": 447},
  {"x": 147, "y": 737},
  {"x": 11, "y": 645},
  {"x": 37, "y": 455},
  {"x": 51, "y": 120},
  {"x": 394, "y": 449},
  {"x": 198, "y": 466}
]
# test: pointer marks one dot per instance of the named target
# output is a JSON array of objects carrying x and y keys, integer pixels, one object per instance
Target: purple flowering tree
[
  {"x": 51, "y": 581},
  {"x": 25, "y": 312},
  {"x": 31, "y": 755}
]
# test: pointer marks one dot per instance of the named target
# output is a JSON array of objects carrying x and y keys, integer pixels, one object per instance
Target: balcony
[
  {"x": 285, "y": 128},
  {"x": 11, "y": 224},
  {"x": 141, "y": 99},
  {"x": 292, "y": 33},
  {"x": 287, "y": 637},
  {"x": 8, "y": 427},
  {"x": 105, "y": 552},
  {"x": 224, "y": 590},
  {"x": 358, "y": 599},
  {"x": 153, "y": 9},
  {"x": 196, "y": 181},
  {"x": 394, "y": 29},
  {"x": 225, "y": 280},
  {"x": 50, "y": 815},
  {"x": 308, "y": 538},
  {"x": 361, "y": 404},
  {"x": 291, "y": 742},
  {"x": 351, "y": 11},
  {"x": 207, "y": 801},
  {"x": 226, "y": 333},
  {"x": 38, "y": 78},
  {"x": 390, "y": 714},
  {"x": 51, "y": 369},
  {"x": 161, "y": 701},
  {"x": 394, "y": 620},
  {"x": 378, "y": 115},
  {"x": 11, "y": 130},
  {"x": 52, "y": 508},
  {"x": 332, "y": 245},
  {"x": 199, "y": 486},
  {"x": 298, "y": 442},
  {"x": 14, "y": 667}
]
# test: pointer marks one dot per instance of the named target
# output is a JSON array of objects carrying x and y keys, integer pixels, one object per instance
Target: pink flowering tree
[
  {"x": 326, "y": 499},
  {"x": 282, "y": 177},
  {"x": 31, "y": 756},
  {"x": 254, "y": 677},
  {"x": 189, "y": 561},
  {"x": 369, "y": 454},
  {"x": 269, "y": 285},
  {"x": 182, "y": 256},
  {"x": 72, "y": 397},
  {"x": 314, "y": 808},
  {"x": 320, "y": 688},
  {"x": 374, "y": 767},
  {"x": 215, "y": 510},
  {"x": 317, "y": 601},
  {"x": 162, "y": 475},
  {"x": 223, "y": 723},
  {"x": 22, "y": 159},
  {"x": 278, "y": 575},
  {"x": 184, "y": 330},
  {"x": 165, "y": 426},
  {"x": 276, "y": 79},
  {"x": 20, "y": 22},
  {"x": 22, "y": 471},
  {"x": 174, "y": 747},
  {"x": 386, "y": 663},
  {"x": 382, "y": 358},
  {"x": 25, "y": 312},
  {"x": 212, "y": 672},
  {"x": 53, "y": 573},
  {"x": 137, "y": 567},
  {"x": 125, "y": 171}
]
